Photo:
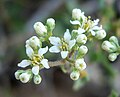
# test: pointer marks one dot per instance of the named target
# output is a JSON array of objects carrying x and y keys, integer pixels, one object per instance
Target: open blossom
[
  {"x": 36, "y": 59},
  {"x": 62, "y": 45},
  {"x": 80, "y": 64}
]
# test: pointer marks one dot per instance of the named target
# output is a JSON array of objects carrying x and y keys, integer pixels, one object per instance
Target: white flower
[
  {"x": 29, "y": 51},
  {"x": 100, "y": 34},
  {"x": 75, "y": 22},
  {"x": 75, "y": 75},
  {"x": 51, "y": 23},
  {"x": 62, "y": 45},
  {"x": 94, "y": 29},
  {"x": 80, "y": 64},
  {"x": 24, "y": 77},
  {"x": 35, "y": 69},
  {"x": 77, "y": 14},
  {"x": 36, "y": 59},
  {"x": 95, "y": 22},
  {"x": 82, "y": 38},
  {"x": 112, "y": 56},
  {"x": 108, "y": 46},
  {"x": 83, "y": 49},
  {"x": 33, "y": 42},
  {"x": 79, "y": 31},
  {"x": 37, "y": 79},
  {"x": 24, "y": 63},
  {"x": 40, "y": 28}
]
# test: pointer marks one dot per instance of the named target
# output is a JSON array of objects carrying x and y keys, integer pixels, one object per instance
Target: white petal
[
  {"x": 24, "y": 63},
  {"x": 67, "y": 36},
  {"x": 72, "y": 43},
  {"x": 42, "y": 51},
  {"x": 76, "y": 22},
  {"x": 54, "y": 49},
  {"x": 80, "y": 31},
  {"x": 44, "y": 62},
  {"x": 55, "y": 41},
  {"x": 93, "y": 33},
  {"x": 29, "y": 51},
  {"x": 35, "y": 70},
  {"x": 64, "y": 54}
]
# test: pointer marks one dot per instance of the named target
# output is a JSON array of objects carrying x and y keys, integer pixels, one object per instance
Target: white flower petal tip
[
  {"x": 54, "y": 49},
  {"x": 75, "y": 22},
  {"x": 42, "y": 51},
  {"x": 24, "y": 63},
  {"x": 67, "y": 36},
  {"x": 80, "y": 31},
  {"x": 44, "y": 62},
  {"x": 64, "y": 54},
  {"x": 35, "y": 70},
  {"x": 29, "y": 51},
  {"x": 72, "y": 43},
  {"x": 55, "y": 41}
]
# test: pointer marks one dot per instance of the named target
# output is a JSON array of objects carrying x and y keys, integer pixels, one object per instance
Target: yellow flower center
[{"x": 36, "y": 59}]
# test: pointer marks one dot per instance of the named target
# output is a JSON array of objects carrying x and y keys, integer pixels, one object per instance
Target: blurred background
[{"x": 16, "y": 26}]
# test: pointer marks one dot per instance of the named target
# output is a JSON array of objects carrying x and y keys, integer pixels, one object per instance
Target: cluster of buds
[
  {"x": 112, "y": 47},
  {"x": 72, "y": 47}
]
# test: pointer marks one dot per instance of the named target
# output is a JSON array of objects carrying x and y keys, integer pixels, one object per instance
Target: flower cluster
[
  {"x": 112, "y": 47},
  {"x": 72, "y": 46},
  {"x": 35, "y": 53}
]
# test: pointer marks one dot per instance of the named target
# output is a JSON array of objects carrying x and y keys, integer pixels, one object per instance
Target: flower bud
[
  {"x": 108, "y": 46},
  {"x": 18, "y": 73},
  {"x": 100, "y": 34},
  {"x": 82, "y": 39},
  {"x": 74, "y": 75},
  {"x": 37, "y": 79},
  {"x": 83, "y": 50},
  {"x": 112, "y": 56},
  {"x": 40, "y": 28},
  {"x": 51, "y": 23},
  {"x": 80, "y": 64},
  {"x": 76, "y": 13},
  {"x": 24, "y": 77},
  {"x": 114, "y": 40},
  {"x": 34, "y": 42}
]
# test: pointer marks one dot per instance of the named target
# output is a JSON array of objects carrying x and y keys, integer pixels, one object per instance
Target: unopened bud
[
  {"x": 112, "y": 56},
  {"x": 74, "y": 75},
  {"x": 82, "y": 39},
  {"x": 40, "y": 28},
  {"x": 100, "y": 34},
  {"x": 37, "y": 79},
  {"x": 51, "y": 23}
]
